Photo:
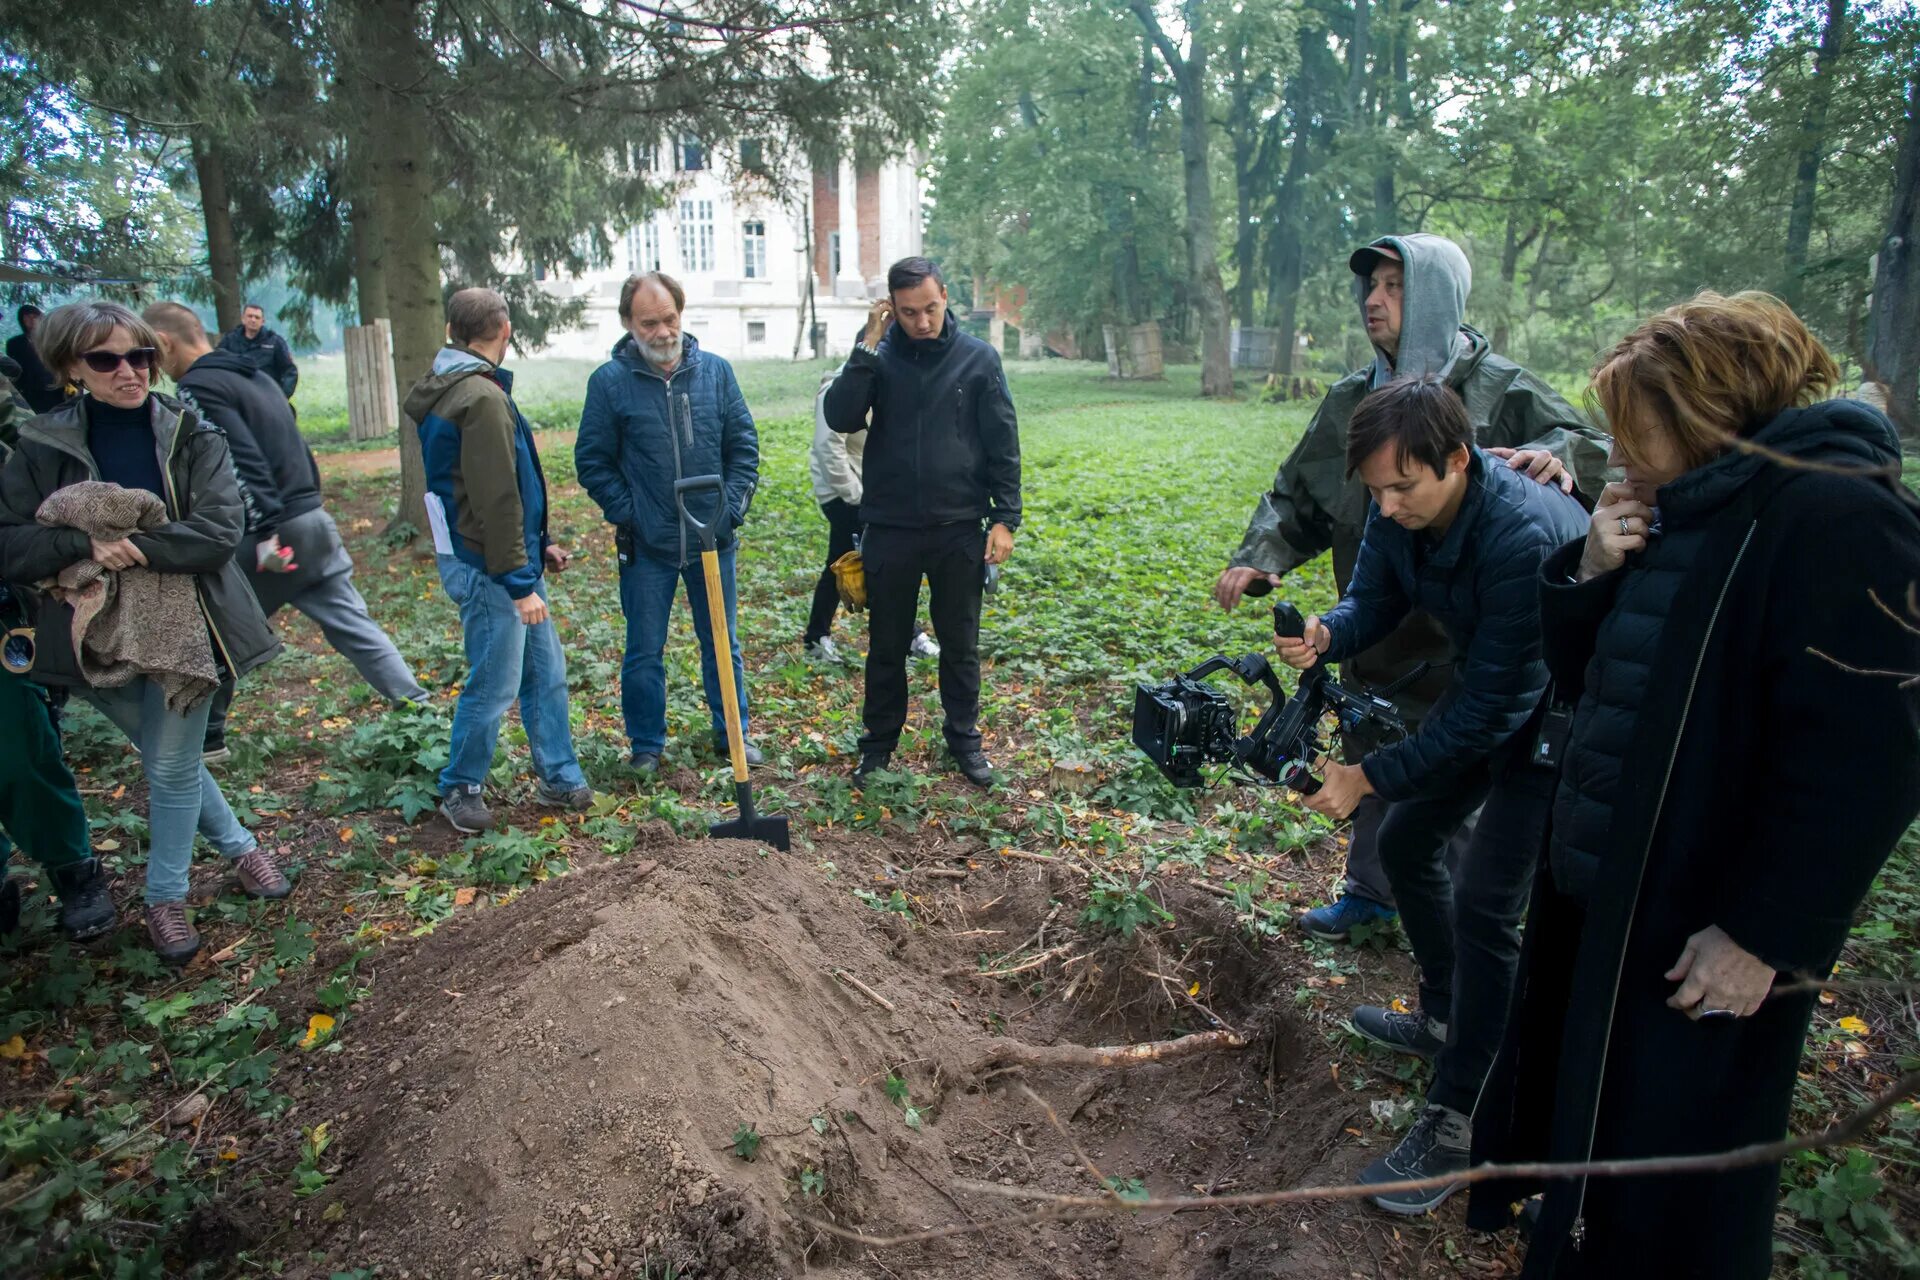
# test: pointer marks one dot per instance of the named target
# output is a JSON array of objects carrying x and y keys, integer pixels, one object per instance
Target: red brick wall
[
  {"x": 826, "y": 220},
  {"x": 866, "y": 194}
]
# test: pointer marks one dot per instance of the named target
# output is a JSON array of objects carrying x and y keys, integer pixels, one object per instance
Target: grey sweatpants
[{"x": 333, "y": 603}]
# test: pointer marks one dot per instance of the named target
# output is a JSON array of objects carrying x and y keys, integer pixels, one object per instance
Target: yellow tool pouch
[{"x": 850, "y": 575}]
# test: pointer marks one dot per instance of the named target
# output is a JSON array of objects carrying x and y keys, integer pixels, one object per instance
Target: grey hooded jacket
[{"x": 1314, "y": 507}]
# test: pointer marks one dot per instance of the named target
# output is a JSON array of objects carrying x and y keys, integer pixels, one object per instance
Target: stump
[{"x": 373, "y": 403}]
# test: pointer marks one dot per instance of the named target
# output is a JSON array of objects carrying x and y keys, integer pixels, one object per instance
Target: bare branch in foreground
[{"x": 1073, "y": 1208}]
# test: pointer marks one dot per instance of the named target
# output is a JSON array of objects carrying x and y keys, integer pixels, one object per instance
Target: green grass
[{"x": 1135, "y": 496}]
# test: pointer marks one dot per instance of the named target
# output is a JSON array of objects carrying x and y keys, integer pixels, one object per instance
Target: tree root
[{"x": 1013, "y": 1053}]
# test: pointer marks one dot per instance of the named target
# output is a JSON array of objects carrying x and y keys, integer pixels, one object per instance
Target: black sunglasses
[{"x": 140, "y": 359}]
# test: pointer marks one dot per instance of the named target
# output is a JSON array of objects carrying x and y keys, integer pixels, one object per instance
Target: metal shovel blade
[{"x": 750, "y": 825}]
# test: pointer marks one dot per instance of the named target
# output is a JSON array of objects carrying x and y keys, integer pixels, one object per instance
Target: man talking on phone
[{"x": 941, "y": 501}]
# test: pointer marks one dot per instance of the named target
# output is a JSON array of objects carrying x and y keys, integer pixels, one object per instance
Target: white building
[{"x": 742, "y": 254}]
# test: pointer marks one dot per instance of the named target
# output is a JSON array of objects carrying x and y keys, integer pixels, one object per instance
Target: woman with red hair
[{"x": 1736, "y": 771}]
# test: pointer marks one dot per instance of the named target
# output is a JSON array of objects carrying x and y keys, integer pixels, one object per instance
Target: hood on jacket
[
  {"x": 1843, "y": 434},
  {"x": 452, "y": 365},
  {"x": 627, "y": 351},
  {"x": 227, "y": 362},
  {"x": 1433, "y": 301}
]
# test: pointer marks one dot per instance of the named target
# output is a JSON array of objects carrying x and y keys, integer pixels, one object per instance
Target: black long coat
[{"x": 1763, "y": 789}]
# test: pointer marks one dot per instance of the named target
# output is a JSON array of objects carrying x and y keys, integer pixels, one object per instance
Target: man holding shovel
[{"x": 659, "y": 412}]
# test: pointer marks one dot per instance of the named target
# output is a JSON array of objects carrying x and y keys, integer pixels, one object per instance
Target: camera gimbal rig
[{"x": 1185, "y": 724}]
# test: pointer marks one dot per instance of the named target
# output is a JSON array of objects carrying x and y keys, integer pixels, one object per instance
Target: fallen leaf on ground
[{"x": 319, "y": 1026}]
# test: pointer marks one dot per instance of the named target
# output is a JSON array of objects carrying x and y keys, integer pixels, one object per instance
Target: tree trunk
[
  {"x": 1357, "y": 52},
  {"x": 405, "y": 195},
  {"x": 1203, "y": 248},
  {"x": 1893, "y": 327},
  {"x": 369, "y": 231},
  {"x": 223, "y": 247},
  {"x": 1813, "y": 149},
  {"x": 1392, "y": 69},
  {"x": 1509, "y": 272},
  {"x": 1246, "y": 238},
  {"x": 1286, "y": 247}
]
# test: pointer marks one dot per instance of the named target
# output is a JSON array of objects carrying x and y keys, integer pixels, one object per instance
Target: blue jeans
[
  {"x": 647, "y": 588},
  {"x": 182, "y": 796},
  {"x": 506, "y": 659}
]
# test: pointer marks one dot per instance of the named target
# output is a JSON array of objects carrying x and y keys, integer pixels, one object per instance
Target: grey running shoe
[
  {"x": 463, "y": 808},
  {"x": 1437, "y": 1146},
  {"x": 1413, "y": 1033}
]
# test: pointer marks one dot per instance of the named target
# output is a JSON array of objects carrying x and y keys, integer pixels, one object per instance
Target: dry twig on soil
[{"x": 1069, "y": 1208}]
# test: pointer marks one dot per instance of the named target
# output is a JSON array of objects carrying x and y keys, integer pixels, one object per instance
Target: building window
[
  {"x": 753, "y": 155},
  {"x": 640, "y": 157},
  {"x": 833, "y": 251},
  {"x": 756, "y": 331},
  {"x": 689, "y": 155},
  {"x": 643, "y": 247},
  {"x": 696, "y": 235},
  {"x": 753, "y": 239},
  {"x": 833, "y": 177}
]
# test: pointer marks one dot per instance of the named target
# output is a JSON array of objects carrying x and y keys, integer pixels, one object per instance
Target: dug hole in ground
[{"x": 571, "y": 1083}]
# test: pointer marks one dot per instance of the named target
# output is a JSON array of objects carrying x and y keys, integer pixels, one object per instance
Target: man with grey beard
[{"x": 659, "y": 411}]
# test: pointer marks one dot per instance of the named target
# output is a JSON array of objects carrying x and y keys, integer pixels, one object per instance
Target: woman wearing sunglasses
[{"x": 120, "y": 431}]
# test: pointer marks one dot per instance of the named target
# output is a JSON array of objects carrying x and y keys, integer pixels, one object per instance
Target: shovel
[{"x": 749, "y": 825}]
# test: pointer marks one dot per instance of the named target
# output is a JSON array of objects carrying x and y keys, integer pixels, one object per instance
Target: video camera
[{"x": 1185, "y": 725}]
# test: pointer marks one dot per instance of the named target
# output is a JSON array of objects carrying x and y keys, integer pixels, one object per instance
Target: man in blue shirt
[{"x": 1461, "y": 537}]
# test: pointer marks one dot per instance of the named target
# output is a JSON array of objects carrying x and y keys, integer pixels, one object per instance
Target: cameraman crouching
[{"x": 1461, "y": 537}]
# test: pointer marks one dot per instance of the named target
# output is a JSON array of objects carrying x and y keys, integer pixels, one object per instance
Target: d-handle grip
[{"x": 696, "y": 484}]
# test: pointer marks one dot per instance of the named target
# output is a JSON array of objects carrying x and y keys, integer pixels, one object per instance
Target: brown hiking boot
[
  {"x": 260, "y": 876},
  {"x": 173, "y": 937}
]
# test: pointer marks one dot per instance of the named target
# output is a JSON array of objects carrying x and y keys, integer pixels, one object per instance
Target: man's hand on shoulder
[
  {"x": 999, "y": 544},
  {"x": 1536, "y": 464}
]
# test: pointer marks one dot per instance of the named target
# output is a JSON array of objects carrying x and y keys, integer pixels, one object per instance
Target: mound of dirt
[{"x": 555, "y": 1087}]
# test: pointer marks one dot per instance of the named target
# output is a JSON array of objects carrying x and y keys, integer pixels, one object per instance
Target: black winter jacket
[
  {"x": 279, "y": 478},
  {"x": 1725, "y": 770},
  {"x": 204, "y": 526},
  {"x": 268, "y": 353},
  {"x": 37, "y": 383},
  {"x": 943, "y": 446},
  {"x": 1478, "y": 582}
]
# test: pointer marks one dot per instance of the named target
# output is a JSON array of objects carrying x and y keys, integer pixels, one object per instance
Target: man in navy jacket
[
  {"x": 941, "y": 500},
  {"x": 659, "y": 411},
  {"x": 1460, "y": 537}
]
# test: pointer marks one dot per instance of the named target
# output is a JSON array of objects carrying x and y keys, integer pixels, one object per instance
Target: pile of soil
[{"x": 553, "y": 1086}]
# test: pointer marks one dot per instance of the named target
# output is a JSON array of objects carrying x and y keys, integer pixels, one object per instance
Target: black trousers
[
  {"x": 843, "y": 523},
  {"x": 1465, "y": 926},
  {"x": 952, "y": 558}
]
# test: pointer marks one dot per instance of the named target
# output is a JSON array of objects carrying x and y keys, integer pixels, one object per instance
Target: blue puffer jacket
[
  {"x": 1481, "y": 583},
  {"x": 631, "y": 451}
]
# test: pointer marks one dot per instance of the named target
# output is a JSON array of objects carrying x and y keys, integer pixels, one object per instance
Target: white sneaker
[
  {"x": 924, "y": 646},
  {"x": 824, "y": 650}
]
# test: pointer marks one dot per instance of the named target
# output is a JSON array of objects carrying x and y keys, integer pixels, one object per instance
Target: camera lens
[{"x": 16, "y": 655}]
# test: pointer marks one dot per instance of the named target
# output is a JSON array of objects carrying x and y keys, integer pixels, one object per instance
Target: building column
[{"x": 849, "y": 233}]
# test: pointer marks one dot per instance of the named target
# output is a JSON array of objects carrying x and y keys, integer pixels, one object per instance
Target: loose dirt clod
[{"x": 624, "y": 1036}]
